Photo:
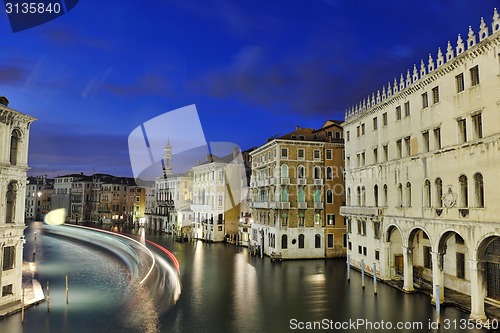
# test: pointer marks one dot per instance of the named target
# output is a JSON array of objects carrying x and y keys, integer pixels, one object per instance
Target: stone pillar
[
  {"x": 477, "y": 289},
  {"x": 408, "y": 268},
  {"x": 385, "y": 261},
  {"x": 437, "y": 276}
]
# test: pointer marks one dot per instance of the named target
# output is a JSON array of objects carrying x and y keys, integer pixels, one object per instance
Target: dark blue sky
[{"x": 253, "y": 68}]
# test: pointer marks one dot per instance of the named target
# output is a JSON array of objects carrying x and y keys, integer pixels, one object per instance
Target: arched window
[
  {"x": 439, "y": 192},
  {"x": 317, "y": 172},
  {"x": 363, "y": 196},
  {"x": 301, "y": 241},
  {"x": 408, "y": 194},
  {"x": 317, "y": 241},
  {"x": 385, "y": 195},
  {"x": 284, "y": 194},
  {"x": 284, "y": 171},
  {"x": 358, "y": 190},
  {"x": 464, "y": 191},
  {"x": 284, "y": 242},
  {"x": 329, "y": 173},
  {"x": 14, "y": 145},
  {"x": 348, "y": 197},
  {"x": 300, "y": 194},
  {"x": 301, "y": 172},
  {"x": 375, "y": 195},
  {"x": 317, "y": 195},
  {"x": 11, "y": 203},
  {"x": 400, "y": 195},
  {"x": 329, "y": 196},
  {"x": 479, "y": 190},
  {"x": 427, "y": 193}
]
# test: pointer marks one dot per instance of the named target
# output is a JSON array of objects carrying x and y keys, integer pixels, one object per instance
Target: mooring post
[
  {"x": 437, "y": 298},
  {"x": 66, "y": 289},
  {"x": 48, "y": 297},
  {"x": 375, "y": 278},
  {"x": 22, "y": 307},
  {"x": 348, "y": 268},
  {"x": 363, "y": 273}
]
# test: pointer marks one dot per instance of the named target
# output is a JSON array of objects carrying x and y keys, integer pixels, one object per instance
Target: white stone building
[
  {"x": 422, "y": 161},
  {"x": 14, "y": 135}
]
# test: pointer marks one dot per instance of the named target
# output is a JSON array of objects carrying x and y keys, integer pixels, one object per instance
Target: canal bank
[{"x": 33, "y": 291}]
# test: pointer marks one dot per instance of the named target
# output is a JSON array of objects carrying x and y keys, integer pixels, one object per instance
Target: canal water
[{"x": 224, "y": 289}]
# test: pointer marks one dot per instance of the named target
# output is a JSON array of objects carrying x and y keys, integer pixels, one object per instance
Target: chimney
[
  {"x": 297, "y": 127},
  {"x": 4, "y": 101}
]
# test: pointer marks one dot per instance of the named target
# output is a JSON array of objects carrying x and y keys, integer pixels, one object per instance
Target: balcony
[
  {"x": 273, "y": 204},
  {"x": 318, "y": 182},
  {"x": 302, "y": 205},
  {"x": 272, "y": 181},
  {"x": 318, "y": 205},
  {"x": 302, "y": 181},
  {"x": 285, "y": 181},
  {"x": 262, "y": 205},
  {"x": 284, "y": 205},
  {"x": 361, "y": 211},
  {"x": 261, "y": 183}
]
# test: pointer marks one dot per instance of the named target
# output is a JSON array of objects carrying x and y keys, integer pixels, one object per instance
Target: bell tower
[{"x": 167, "y": 159}]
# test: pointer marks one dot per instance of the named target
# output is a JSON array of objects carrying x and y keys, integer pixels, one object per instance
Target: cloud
[
  {"x": 52, "y": 149},
  {"x": 12, "y": 74},
  {"x": 145, "y": 85},
  {"x": 320, "y": 83}
]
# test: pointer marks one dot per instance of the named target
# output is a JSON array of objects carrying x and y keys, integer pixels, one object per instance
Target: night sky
[{"x": 254, "y": 68}]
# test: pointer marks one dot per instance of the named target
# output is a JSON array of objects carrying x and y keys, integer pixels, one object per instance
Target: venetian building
[
  {"x": 14, "y": 135},
  {"x": 296, "y": 190},
  {"x": 422, "y": 158}
]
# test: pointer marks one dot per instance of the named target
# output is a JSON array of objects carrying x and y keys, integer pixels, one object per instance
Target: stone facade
[
  {"x": 14, "y": 135},
  {"x": 296, "y": 190},
  {"x": 421, "y": 162}
]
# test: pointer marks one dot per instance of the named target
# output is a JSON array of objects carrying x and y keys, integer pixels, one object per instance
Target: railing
[
  {"x": 285, "y": 181},
  {"x": 356, "y": 210},
  {"x": 284, "y": 205},
  {"x": 302, "y": 181},
  {"x": 318, "y": 182},
  {"x": 318, "y": 205},
  {"x": 302, "y": 205}
]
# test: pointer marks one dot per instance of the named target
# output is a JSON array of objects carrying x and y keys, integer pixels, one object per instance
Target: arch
[
  {"x": 439, "y": 192},
  {"x": 329, "y": 173},
  {"x": 15, "y": 139},
  {"x": 301, "y": 241},
  {"x": 300, "y": 194},
  {"x": 408, "y": 194},
  {"x": 329, "y": 196},
  {"x": 385, "y": 195},
  {"x": 358, "y": 191},
  {"x": 478, "y": 190},
  {"x": 317, "y": 241},
  {"x": 395, "y": 237},
  {"x": 389, "y": 230},
  {"x": 488, "y": 253},
  {"x": 363, "y": 196},
  {"x": 400, "y": 195},
  {"x": 427, "y": 194},
  {"x": 463, "y": 191},
  {"x": 11, "y": 198},
  {"x": 413, "y": 231},
  {"x": 375, "y": 195},
  {"x": 301, "y": 172},
  {"x": 317, "y": 172},
  {"x": 348, "y": 196},
  {"x": 284, "y": 171}
]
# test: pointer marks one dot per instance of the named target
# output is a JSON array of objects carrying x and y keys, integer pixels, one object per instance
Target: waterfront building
[
  {"x": 296, "y": 190},
  {"x": 217, "y": 196},
  {"x": 112, "y": 206},
  {"x": 14, "y": 134},
  {"x": 422, "y": 159},
  {"x": 61, "y": 197},
  {"x": 136, "y": 205},
  {"x": 34, "y": 189}
]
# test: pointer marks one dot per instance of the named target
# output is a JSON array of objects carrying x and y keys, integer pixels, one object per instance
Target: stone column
[
  {"x": 437, "y": 276},
  {"x": 385, "y": 261},
  {"x": 408, "y": 268},
  {"x": 477, "y": 289}
]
